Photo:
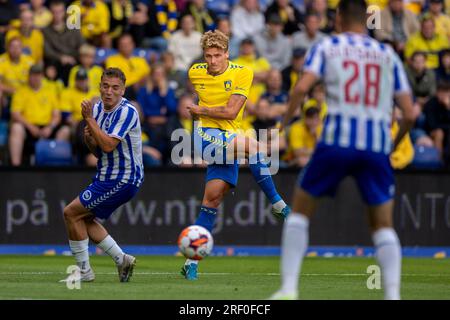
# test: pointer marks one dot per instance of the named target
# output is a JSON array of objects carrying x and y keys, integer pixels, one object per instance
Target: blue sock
[
  {"x": 206, "y": 218},
  {"x": 263, "y": 178}
]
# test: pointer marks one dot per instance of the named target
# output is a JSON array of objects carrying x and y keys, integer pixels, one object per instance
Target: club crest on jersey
[
  {"x": 227, "y": 85},
  {"x": 87, "y": 195}
]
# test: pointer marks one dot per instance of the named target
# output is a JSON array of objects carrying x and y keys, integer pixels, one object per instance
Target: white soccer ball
[{"x": 195, "y": 242}]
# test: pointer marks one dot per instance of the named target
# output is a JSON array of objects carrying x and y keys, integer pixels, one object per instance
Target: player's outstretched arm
[
  {"x": 106, "y": 143},
  {"x": 228, "y": 112},
  {"x": 298, "y": 93},
  {"x": 405, "y": 102}
]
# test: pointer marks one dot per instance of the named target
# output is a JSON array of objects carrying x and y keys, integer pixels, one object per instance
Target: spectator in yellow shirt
[
  {"x": 259, "y": 65},
  {"x": 95, "y": 20},
  {"x": 428, "y": 41},
  {"x": 32, "y": 38},
  {"x": 136, "y": 69},
  {"x": 14, "y": 67},
  {"x": 303, "y": 136},
  {"x": 441, "y": 20},
  {"x": 35, "y": 115},
  {"x": 42, "y": 16},
  {"x": 87, "y": 58},
  {"x": 71, "y": 108}
]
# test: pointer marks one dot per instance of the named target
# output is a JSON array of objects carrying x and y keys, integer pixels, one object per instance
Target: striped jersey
[
  {"x": 124, "y": 163},
  {"x": 361, "y": 76}
]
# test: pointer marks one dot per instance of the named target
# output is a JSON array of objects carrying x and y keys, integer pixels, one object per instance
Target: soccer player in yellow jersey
[{"x": 223, "y": 88}]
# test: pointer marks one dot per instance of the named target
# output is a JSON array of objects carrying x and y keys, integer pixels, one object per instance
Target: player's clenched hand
[
  {"x": 86, "y": 109},
  {"x": 194, "y": 110}
]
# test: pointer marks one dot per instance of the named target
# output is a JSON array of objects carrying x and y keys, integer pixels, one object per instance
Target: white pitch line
[{"x": 227, "y": 274}]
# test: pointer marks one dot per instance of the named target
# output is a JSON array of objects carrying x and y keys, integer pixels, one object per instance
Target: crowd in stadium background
[{"x": 48, "y": 66}]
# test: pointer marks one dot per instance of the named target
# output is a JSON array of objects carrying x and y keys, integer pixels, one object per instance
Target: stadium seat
[
  {"x": 101, "y": 55},
  {"x": 53, "y": 153},
  {"x": 426, "y": 158}
]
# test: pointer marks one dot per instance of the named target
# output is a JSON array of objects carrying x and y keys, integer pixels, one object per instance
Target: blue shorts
[
  {"x": 214, "y": 143},
  {"x": 103, "y": 198},
  {"x": 329, "y": 165}
]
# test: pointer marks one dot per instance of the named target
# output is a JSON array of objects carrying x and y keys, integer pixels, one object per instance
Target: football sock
[
  {"x": 80, "y": 249},
  {"x": 293, "y": 249},
  {"x": 263, "y": 178},
  {"x": 189, "y": 261},
  {"x": 110, "y": 247},
  {"x": 206, "y": 218},
  {"x": 389, "y": 257}
]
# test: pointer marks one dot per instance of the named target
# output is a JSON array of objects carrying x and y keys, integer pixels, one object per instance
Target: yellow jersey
[
  {"x": 94, "y": 19},
  {"x": 134, "y": 68},
  {"x": 215, "y": 91},
  {"x": 33, "y": 45},
  {"x": 14, "y": 74},
  {"x": 404, "y": 154},
  {"x": 71, "y": 99},
  {"x": 35, "y": 106},
  {"x": 301, "y": 138}
]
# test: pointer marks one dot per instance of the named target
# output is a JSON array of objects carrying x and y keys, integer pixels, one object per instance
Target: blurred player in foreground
[
  {"x": 362, "y": 76},
  {"x": 223, "y": 87},
  {"x": 113, "y": 134}
]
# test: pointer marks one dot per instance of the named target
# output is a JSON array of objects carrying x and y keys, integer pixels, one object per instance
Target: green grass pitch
[{"x": 224, "y": 278}]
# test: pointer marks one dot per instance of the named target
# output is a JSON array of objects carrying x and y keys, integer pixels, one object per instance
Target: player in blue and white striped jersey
[
  {"x": 362, "y": 79},
  {"x": 113, "y": 134}
]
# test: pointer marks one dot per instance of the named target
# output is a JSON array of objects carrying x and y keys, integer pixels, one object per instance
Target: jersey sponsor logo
[
  {"x": 87, "y": 195},
  {"x": 227, "y": 85}
]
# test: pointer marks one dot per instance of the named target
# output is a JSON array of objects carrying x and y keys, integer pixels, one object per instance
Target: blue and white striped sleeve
[
  {"x": 401, "y": 84},
  {"x": 315, "y": 59},
  {"x": 123, "y": 122}
]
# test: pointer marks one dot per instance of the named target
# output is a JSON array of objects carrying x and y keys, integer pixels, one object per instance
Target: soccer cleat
[
  {"x": 125, "y": 270},
  {"x": 189, "y": 271},
  {"x": 281, "y": 214},
  {"x": 83, "y": 276},
  {"x": 280, "y": 295},
  {"x": 87, "y": 276}
]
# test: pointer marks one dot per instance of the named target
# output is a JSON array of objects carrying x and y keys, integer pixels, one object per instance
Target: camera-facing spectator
[
  {"x": 205, "y": 19},
  {"x": 162, "y": 23},
  {"x": 397, "y": 25},
  {"x": 35, "y": 115},
  {"x": 310, "y": 35},
  {"x": 289, "y": 14},
  {"x": 421, "y": 79},
  {"x": 273, "y": 44},
  {"x": 71, "y": 99},
  {"x": 87, "y": 58},
  {"x": 159, "y": 105},
  {"x": 246, "y": 19},
  {"x": 94, "y": 21},
  {"x": 443, "y": 72},
  {"x": 185, "y": 44},
  {"x": 136, "y": 69},
  {"x": 32, "y": 38},
  {"x": 437, "y": 115},
  {"x": 291, "y": 73},
  {"x": 14, "y": 67},
  {"x": 127, "y": 16},
  {"x": 303, "y": 136},
  {"x": 428, "y": 41},
  {"x": 61, "y": 43},
  {"x": 441, "y": 20}
]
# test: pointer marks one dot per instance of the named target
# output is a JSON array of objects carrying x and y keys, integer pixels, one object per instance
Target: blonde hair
[
  {"x": 214, "y": 39},
  {"x": 87, "y": 49}
]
